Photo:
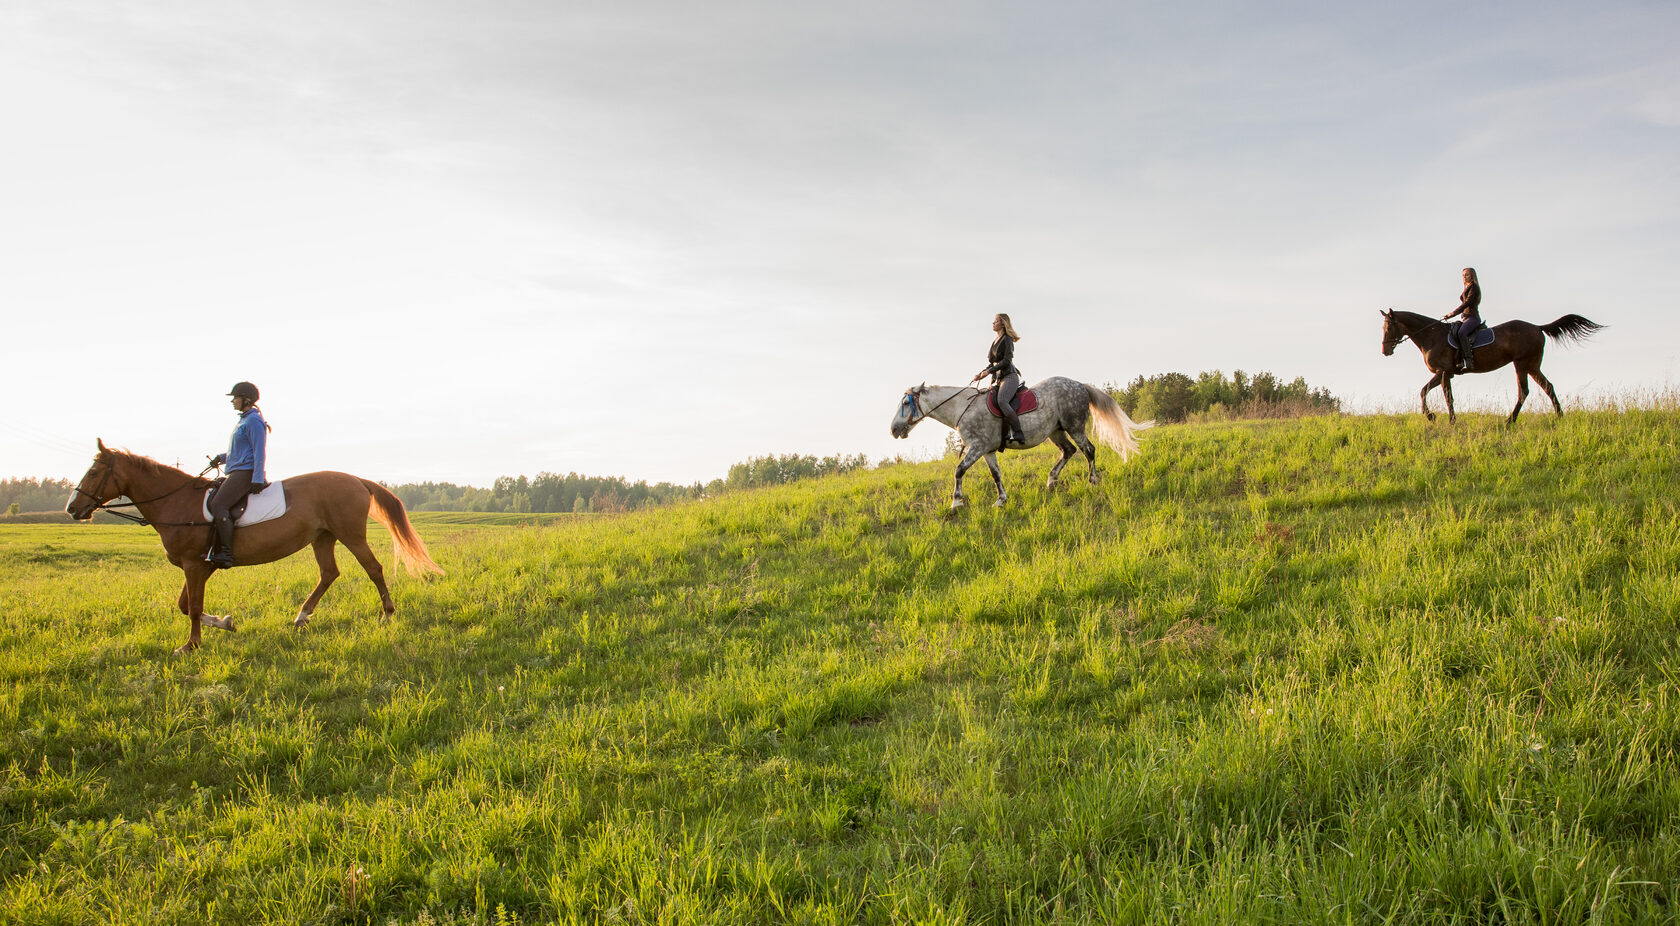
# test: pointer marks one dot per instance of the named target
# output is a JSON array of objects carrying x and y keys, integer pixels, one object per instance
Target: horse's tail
[
  {"x": 388, "y": 510},
  {"x": 1571, "y": 328},
  {"x": 1113, "y": 427}
]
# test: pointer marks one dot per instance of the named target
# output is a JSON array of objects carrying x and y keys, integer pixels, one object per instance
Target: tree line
[
  {"x": 1175, "y": 397},
  {"x": 18, "y": 495},
  {"x": 552, "y": 492}
]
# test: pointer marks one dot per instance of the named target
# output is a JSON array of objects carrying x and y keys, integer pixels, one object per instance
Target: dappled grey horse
[{"x": 1064, "y": 408}]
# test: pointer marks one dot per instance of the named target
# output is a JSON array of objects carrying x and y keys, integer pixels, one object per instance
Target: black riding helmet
[{"x": 244, "y": 391}]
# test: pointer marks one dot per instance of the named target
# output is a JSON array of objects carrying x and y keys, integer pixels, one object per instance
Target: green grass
[{"x": 1359, "y": 669}]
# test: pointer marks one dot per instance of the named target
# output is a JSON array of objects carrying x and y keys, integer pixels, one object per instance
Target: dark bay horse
[
  {"x": 1514, "y": 342},
  {"x": 1065, "y": 406},
  {"x": 322, "y": 509}
]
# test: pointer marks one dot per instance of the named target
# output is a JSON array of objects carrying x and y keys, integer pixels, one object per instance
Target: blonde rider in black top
[{"x": 1006, "y": 380}]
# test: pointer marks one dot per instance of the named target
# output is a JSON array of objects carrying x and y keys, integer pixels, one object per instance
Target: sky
[{"x": 452, "y": 241}]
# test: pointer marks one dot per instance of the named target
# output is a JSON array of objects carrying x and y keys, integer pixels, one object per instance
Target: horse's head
[
  {"x": 98, "y": 486},
  {"x": 1393, "y": 334},
  {"x": 909, "y": 411}
]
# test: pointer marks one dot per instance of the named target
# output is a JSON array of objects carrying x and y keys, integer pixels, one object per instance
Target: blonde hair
[
  {"x": 1472, "y": 272},
  {"x": 1008, "y": 327}
]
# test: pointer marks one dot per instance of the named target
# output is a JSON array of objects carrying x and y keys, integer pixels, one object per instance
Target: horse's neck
[
  {"x": 1414, "y": 322},
  {"x": 946, "y": 404},
  {"x": 156, "y": 490}
]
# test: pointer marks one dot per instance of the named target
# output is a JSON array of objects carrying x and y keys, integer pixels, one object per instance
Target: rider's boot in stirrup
[{"x": 221, "y": 546}]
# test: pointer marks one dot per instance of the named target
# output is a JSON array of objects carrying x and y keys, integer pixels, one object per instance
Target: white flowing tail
[{"x": 1112, "y": 425}]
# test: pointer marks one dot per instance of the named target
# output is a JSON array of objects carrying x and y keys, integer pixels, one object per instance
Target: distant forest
[
  {"x": 551, "y": 492},
  {"x": 1168, "y": 398},
  {"x": 18, "y": 495}
]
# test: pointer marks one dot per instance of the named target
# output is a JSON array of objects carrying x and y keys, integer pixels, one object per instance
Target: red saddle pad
[{"x": 1027, "y": 404}]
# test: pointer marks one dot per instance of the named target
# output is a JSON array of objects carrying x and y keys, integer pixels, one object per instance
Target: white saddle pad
[{"x": 262, "y": 506}]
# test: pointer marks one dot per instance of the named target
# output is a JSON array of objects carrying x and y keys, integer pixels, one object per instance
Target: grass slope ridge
[{"x": 1350, "y": 669}]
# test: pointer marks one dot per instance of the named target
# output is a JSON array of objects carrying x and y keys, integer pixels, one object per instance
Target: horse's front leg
[
  {"x": 1423, "y": 395},
  {"x": 969, "y": 459},
  {"x": 197, "y": 572},
  {"x": 997, "y": 480}
]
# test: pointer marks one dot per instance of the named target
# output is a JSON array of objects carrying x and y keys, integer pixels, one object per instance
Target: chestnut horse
[
  {"x": 322, "y": 509},
  {"x": 1514, "y": 342}
]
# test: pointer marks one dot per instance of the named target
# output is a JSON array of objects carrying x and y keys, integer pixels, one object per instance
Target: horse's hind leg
[
  {"x": 1090, "y": 451},
  {"x": 1059, "y": 438},
  {"x": 1446, "y": 393},
  {"x": 328, "y": 565},
  {"x": 376, "y": 572},
  {"x": 1546, "y": 384},
  {"x": 1522, "y": 395}
]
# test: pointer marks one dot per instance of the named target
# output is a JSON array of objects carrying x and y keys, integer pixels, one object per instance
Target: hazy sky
[{"x": 457, "y": 240}]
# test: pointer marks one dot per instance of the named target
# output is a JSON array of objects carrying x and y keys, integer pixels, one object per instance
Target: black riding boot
[
  {"x": 221, "y": 542},
  {"x": 1009, "y": 414},
  {"x": 1466, "y": 354}
]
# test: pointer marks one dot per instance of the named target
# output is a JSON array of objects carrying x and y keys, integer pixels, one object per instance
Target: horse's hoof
[
  {"x": 999, "y": 502},
  {"x": 185, "y": 648},
  {"x": 219, "y": 621},
  {"x": 958, "y": 503},
  {"x": 1429, "y": 415},
  {"x": 1051, "y": 484},
  {"x": 300, "y": 622}
]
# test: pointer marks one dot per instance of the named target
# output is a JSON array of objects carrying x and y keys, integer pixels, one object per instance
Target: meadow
[{"x": 1336, "y": 669}]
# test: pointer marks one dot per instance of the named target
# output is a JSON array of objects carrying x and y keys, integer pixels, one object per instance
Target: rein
[
  {"x": 916, "y": 404},
  {"x": 110, "y": 507}
]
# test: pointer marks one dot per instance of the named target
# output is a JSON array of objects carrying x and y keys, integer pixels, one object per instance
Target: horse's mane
[
  {"x": 1413, "y": 317},
  {"x": 153, "y": 467}
]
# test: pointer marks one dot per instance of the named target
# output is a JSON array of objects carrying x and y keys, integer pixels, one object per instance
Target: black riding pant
[
  {"x": 1004, "y": 392},
  {"x": 236, "y": 486}
]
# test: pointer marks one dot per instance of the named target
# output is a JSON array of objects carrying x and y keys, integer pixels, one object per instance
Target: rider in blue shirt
[{"x": 244, "y": 462}]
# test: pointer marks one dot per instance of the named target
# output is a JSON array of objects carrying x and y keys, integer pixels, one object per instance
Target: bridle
[
  {"x": 1390, "y": 344},
  {"x": 110, "y": 507}
]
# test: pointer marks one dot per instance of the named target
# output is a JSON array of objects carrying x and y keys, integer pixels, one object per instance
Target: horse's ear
[
  {"x": 101, "y": 442},
  {"x": 922, "y": 387}
]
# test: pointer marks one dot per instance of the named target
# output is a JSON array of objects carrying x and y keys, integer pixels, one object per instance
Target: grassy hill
[{"x": 1360, "y": 669}]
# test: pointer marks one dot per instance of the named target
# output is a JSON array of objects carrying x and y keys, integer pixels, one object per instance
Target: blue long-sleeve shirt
[{"x": 249, "y": 446}]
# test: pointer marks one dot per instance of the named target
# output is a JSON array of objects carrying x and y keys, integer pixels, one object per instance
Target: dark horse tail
[
  {"x": 1571, "y": 328},
  {"x": 387, "y": 509}
]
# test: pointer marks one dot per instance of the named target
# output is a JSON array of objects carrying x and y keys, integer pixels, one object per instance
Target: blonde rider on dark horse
[
  {"x": 1470, "y": 305},
  {"x": 1006, "y": 380},
  {"x": 245, "y": 459}
]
